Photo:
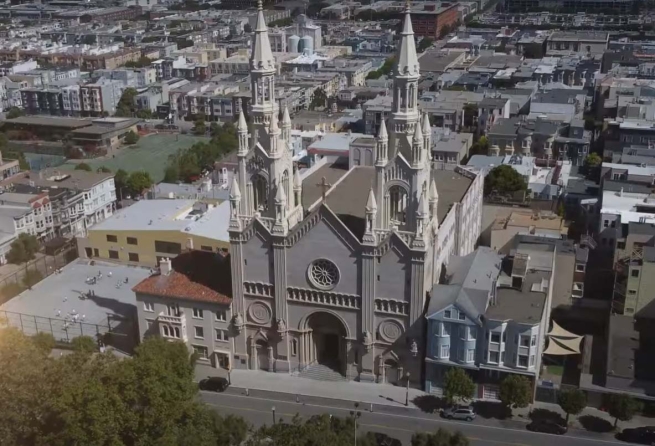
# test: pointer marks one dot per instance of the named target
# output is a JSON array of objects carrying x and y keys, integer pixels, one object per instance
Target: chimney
[{"x": 165, "y": 266}]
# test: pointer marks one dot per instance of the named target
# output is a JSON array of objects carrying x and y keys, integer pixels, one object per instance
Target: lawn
[{"x": 150, "y": 154}]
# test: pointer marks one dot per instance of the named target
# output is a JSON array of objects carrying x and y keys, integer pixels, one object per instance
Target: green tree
[
  {"x": 126, "y": 104},
  {"x": 504, "y": 179},
  {"x": 44, "y": 341},
  {"x": 84, "y": 344},
  {"x": 622, "y": 407},
  {"x": 104, "y": 169},
  {"x": 593, "y": 160},
  {"x": 141, "y": 63},
  {"x": 319, "y": 99},
  {"x": 32, "y": 277},
  {"x": 441, "y": 437},
  {"x": 84, "y": 166},
  {"x": 138, "y": 181},
  {"x": 458, "y": 385},
  {"x": 23, "y": 249},
  {"x": 515, "y": 391},
  {"x": 199, "y": 126},
  {"x": 144, "y": 114},
  {"x": 131, "y": 137},
  {"x": 424, "y": 44},
  {"x": 572, "y": 402},
  {"x": 15, "y": 112},
  {"x": 171, "y": 174}
]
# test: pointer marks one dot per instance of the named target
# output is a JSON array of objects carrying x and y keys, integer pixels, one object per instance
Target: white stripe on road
[{"x": 432, "y": 420}]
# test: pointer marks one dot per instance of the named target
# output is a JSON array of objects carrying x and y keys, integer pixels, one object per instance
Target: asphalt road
[{"x": 257, "y": 409}]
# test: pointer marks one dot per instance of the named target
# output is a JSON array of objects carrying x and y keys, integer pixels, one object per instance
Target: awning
[
  {"x": 560, "y": 332},
  {"x": 562, "y": 342}
]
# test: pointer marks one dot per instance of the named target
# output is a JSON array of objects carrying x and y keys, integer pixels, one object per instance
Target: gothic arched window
[
  {"x": 260, "y": 193},
  {"x": 285, "y": 184},
  {"x": 398, "y": 202}
]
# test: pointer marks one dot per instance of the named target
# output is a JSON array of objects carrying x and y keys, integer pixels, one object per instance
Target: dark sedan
[
  {"x": 640, "y": 435},
  {"x": 215, "y": 384},
  {"x": 547, "y": 427}
]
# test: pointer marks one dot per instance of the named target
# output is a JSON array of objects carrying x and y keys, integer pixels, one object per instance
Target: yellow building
[{"x": 151, "y": 229}]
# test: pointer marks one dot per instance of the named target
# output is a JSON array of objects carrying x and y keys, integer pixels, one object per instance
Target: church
[{"x": 333, "y": 266}]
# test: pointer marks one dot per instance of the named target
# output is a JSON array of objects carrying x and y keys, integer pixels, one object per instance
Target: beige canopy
[{"x": 562, "y": 342}]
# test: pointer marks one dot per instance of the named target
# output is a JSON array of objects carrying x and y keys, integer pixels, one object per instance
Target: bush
[
  {"x": 11, "y": 290},
  {"x": 44, "y": 341},
  {"x": 32, "y": 278},
  {"x": 84, "y": 344},
  {"x": 84, "y": 166},
  {"x": 131, "y": 138}
]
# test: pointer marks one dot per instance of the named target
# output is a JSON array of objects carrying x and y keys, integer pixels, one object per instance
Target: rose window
[{"x": 323, "y": 274}]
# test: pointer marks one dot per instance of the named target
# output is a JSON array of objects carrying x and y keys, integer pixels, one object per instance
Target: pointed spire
[
  {"x": 382, "y": 133},
  {"x": 280, "y": 196},
  {"x": 262, "y": 56},
  {"x": 426, "y": 125},
  {"x": 286, "y": 119},
  {"x": 243, "y": 125},
  {"x": 423, "y": 209},
  {"x": 371, "y": 204},
  {"x": 418, "y": 134},
  {"x": 407, "y": 60},
  {"x": 274, "y": 127},
  {"x": 434, "y": 195},
  {"x": 297, "y": 182},
  {"x": 235, "y": 192}
]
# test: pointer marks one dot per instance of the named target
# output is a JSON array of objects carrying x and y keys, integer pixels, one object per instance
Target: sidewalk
[{"x": 393, "y": 398}]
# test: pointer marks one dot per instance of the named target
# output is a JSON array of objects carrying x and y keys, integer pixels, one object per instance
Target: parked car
[
  {"x": 459, "y": 413},
  {"x": 547, "y": 427},
  {"x": 214, "y": 383},
  {"x": 640, "y": 435}
]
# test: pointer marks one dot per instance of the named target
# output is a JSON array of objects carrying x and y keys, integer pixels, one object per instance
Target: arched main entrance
[{"x": 327, "y": 341}]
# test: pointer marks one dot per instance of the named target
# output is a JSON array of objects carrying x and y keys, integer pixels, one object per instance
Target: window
[
  {"x": 634, "y": 273},
  {"x": 148, "y": 306},
  {"x": 462, "y": 316},
  {"x": 149, "y": 323},
  {"x": 533, "y": 341},
  {"x": 445, "y": 329},
  {"x": 632, "y": 292},
  {"x": 473, "y": 333},
  {"x": 445, "y": 351},
  {"x": 168, "y": 247},
  {"x": 446, "y": 314},
  {"x": 462, "y": 332},
  {"x": 495, "y": 338},
  {"x": 525, "y": 341},
  {"x": 580, "y": 267},
  {"x": 470, "y": 355},
  {"x": 504, "y": 336},
  {"x": 206, "y": 248},
  {"x": 133, "y": 257},
  {"x": 502, "y": 357},
  {"x": 132, "y": 241},
  {"x": 531, "y": 360},
  {"x": 112, "y": 238},
  {"x": 578, "y": 289},
  {"x": 165, "y": 331},
  {"x": 523, "y": 361},
  {"x": 493, "y": 357},
  {"x": 199, "y": 332},
  {"x": 172, "y": 310},
  {"x": 221, "y": 335},
  {"x": 201, "y": 351},
  {"x": 221, "y": 315},
  {"x": 606, "y": 223},
  {"x": 96, "y": 252},
  {"x": 197, "y": 313},
  {"x": 113, "y": 254},
  {"x": 294, "y": 349}
]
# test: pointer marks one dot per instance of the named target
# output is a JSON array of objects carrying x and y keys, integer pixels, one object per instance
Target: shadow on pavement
[
  {"x": 429, "y": 403},
  {"x": 488, "y": 409},
  {"x": 595, "y": 424}
]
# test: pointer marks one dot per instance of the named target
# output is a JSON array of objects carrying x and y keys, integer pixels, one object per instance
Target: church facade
[{"x": 341, "y": 278}]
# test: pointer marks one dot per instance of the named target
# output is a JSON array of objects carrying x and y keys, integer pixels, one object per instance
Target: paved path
[{"x": 398, "y": 422}]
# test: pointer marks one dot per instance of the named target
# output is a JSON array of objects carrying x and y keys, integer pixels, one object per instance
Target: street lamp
[
  {"x": 407, "y": 390},
  {"x": 273, "y": 409},
  {"x": 355, "y": 414}
]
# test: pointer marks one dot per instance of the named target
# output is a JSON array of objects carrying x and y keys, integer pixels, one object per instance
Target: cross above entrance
[{"x": 325, "y": 186}]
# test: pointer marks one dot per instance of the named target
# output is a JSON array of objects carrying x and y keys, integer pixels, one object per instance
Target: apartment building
[
  {"x": 41, "y": 210},
  {"x": 101, "y": 96}
]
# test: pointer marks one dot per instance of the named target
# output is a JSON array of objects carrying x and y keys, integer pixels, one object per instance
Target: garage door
[{"x": 490, "y": 392}]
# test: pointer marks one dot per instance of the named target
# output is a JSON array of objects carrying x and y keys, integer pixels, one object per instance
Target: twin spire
[
  {"x": 407, "y": 60},
  {"x": 262, "y": 56}
]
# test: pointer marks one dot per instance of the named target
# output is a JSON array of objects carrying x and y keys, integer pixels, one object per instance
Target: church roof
[
  {"x": 311, "y": 191},
  {"x": 348, "y": 198}
]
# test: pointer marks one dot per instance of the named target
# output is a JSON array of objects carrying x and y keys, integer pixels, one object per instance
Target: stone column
[
  {"x": 281, "y": 313},
  {"x": 367, "y": 312},
  {"x": 253, "y": 355},
  {"x": 240, "y": 360}
]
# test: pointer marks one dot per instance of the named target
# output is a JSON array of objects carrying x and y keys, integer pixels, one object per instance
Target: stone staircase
[{"x": 321, "y": 372}]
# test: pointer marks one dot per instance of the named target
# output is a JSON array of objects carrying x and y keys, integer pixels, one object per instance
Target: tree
[
  {"x": 171, "y": 174},
  {"x": 622, "y": 407},
  {"x": 504, "y": 179},
  {"x": 441, "y": 437},
  {"x": 592, "y": 161},
  {"x": 103, "y": 169},
  {"x": 84, "y": 344},
  {"x": 199, "y": 127},
  {"x": 319, "y": 99},
  {"x": 139, "y": 181},
  {"x": 424, "y": 44},
  {"x": 141, "y": 63},
  {"x": 23, "y": 249},
  {"x": 144, "y": 114},
  {"x": 15, "y": 112},
  {"x": 44, "y": 341},
  {"x": 131, "y": 137},
  {"x": 32, "y": 277},
  {"x": 515, "y": 391},
  {"x": 572, "y": 402},
  {"x": 126, "y": 104},
  {"x": 84, "y": 166},
  {"x": 458, "y": 385}
]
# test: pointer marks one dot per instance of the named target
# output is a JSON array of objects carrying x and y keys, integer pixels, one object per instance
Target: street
[{"x": 258, "y": 410}]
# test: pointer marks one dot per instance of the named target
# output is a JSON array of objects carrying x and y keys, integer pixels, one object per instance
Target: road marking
[{"x": 432, "y": 420}]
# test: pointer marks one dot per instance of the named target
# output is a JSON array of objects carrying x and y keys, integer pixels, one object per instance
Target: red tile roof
[{"x": 197, "y": 275}]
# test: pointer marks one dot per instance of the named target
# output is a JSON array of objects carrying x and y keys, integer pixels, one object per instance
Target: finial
[
  {"x": 408, "y": 6},
  {"x": 261, "y": 7}
]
